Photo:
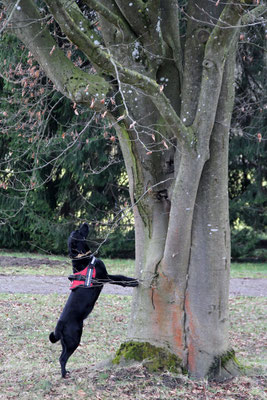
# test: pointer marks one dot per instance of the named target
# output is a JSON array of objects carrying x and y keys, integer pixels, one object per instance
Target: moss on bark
[
  {"x": 138, "y": 178},
  {"x": 225, "y": 366},
  {"x": 153, "y": 358}
]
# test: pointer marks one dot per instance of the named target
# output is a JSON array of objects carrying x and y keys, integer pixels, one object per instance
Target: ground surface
[
  {"x": 60, "y": 284},
  {"x": 32, "y": 299}
]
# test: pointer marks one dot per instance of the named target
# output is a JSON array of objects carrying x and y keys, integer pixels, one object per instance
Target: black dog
[{"x": 82, "y": 299}]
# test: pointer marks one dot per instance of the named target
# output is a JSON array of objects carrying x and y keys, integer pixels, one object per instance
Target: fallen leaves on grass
[{"x": 30, "y": 368}]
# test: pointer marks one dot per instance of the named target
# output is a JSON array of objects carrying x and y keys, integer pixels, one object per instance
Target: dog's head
[{"x": 77, "y": 244}]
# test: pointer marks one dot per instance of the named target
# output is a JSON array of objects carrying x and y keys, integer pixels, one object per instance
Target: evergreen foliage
[
  {"x": 58, "y": 165},
  {"x": 247, "y": 167}
]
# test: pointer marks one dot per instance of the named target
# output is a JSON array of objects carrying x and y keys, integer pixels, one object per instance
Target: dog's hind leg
[
  {"x": 68, "y": 348},
  {"x": 65, "y": 355}
]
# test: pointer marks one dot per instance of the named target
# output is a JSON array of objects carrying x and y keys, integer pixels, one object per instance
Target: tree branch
[
  {"x": 69, "y": 24},
  {"x": 171, "y": 32},
  {"x": 76, "y": 84},
  {"x": 107, "y": 63},
  {"x": 68, "y": 79},
  {"x": 13, "y": 9},
  {"x": 109, "y": 15},
  {"x": 216, "y": 51},
  {"x": 173, "y": 123},
  {"x": 133, "y": 13},
  {"x": 146, "y": 21},
  {"x": 253, "y": 15}
]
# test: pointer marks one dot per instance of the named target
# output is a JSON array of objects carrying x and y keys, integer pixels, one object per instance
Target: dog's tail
[{"x": 55, "y": 336}]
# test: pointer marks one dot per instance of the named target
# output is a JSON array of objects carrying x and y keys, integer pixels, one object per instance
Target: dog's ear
[
  {"x": 71, "y": 249},
  {"x": 84, "y": 230}
]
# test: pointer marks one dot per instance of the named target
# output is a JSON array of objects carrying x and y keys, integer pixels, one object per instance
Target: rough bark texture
[{"x": 174, "y": 99}]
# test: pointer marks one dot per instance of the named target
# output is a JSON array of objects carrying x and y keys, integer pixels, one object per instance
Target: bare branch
[
  {"x": 14, "y": 7},
  {"x": 70, "y": 80}
]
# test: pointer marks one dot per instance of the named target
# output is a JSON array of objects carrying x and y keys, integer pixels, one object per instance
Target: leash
[{"x": 86, "y": 278}]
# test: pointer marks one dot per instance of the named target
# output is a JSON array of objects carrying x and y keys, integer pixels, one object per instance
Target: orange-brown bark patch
[
  {"x": 177, "y": 329},
  {"x": 168, "y": 316},
  {"x": 191, "y": 336}
]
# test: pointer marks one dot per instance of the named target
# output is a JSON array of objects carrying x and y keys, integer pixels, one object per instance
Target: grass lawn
[
  {"x": 249, "y": 270},
  {"x": 39, "y": 264},
  {"x": 30, "y": 368},
  {"x": 60, "y": 265}
]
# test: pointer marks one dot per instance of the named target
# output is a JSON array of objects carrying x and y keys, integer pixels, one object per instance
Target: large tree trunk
[
  {"x": 183, "y": 247},
  {"x": 209, "y": 266}
]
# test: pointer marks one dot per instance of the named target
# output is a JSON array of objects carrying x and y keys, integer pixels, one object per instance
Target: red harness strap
[{"x": 84, "y": 277}]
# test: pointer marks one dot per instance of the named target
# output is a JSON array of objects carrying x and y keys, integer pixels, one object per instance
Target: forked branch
[
  {"x": 27, "y": 23},
  {"x": 216, "y": 52}
]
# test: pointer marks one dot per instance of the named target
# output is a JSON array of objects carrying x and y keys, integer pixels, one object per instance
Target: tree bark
[{"x": 206, "y": 301}]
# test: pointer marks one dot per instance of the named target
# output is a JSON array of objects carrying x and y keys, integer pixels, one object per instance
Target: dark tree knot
[{"x": 207, "y": 64}]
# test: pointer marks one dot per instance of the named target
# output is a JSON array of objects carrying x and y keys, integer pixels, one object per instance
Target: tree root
[{"x": 225, "y": 366}]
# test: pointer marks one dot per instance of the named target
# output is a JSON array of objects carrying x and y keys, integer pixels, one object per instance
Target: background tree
[
  {"x": 247, "y": 167},
  {"x": 164, "y": 73},
  {"x": 50, "y": 147}
]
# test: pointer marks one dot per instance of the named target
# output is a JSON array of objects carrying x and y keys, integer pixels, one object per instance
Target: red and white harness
[{"x": 84, "y": 277}]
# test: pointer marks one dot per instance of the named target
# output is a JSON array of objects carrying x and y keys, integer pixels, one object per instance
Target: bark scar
[
  {"x": 154, "y": 284},
  {"x": 152, "y": 298}
]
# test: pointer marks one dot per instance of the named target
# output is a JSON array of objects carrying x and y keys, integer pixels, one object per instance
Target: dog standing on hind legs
[{"x": 89, "y": 277}]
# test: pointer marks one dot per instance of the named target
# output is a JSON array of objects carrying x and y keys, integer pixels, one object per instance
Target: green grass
[
  {"x": 249, "y": 270},
  {"x": 29, "y": 367},
  {"x": 31, "y": 255},
  {"x": 62, "y": 266},
  {"x": 29, "y": 362}
]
